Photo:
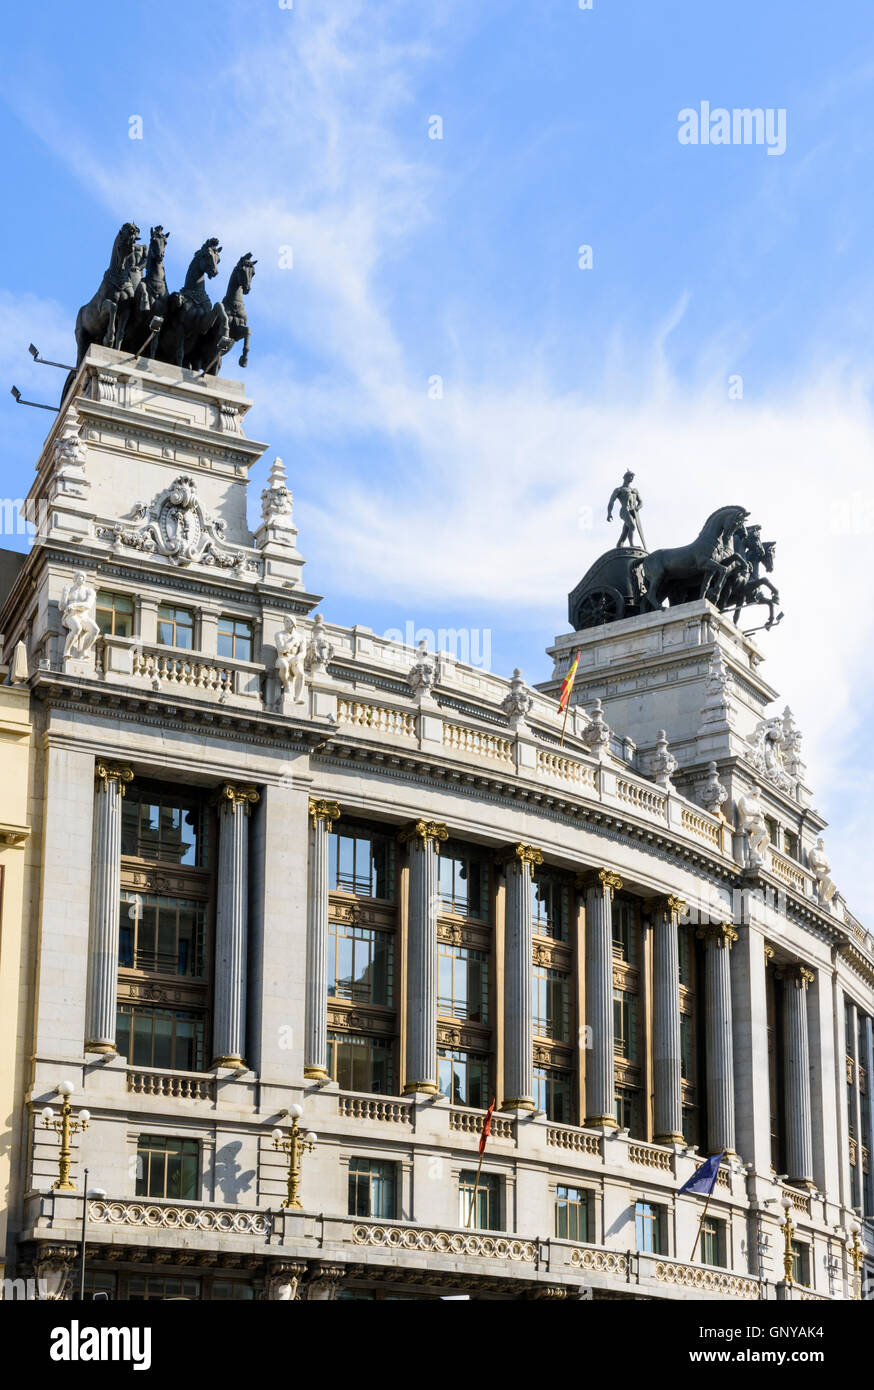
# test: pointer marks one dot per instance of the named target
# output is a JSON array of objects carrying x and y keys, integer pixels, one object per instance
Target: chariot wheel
[{"x": 602, "y": 605}]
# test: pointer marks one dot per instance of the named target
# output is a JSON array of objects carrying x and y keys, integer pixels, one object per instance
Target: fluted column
[
  {"x": 315, "y": 1057},
  {"x": 666, "y": 1050},
  {"x": 102, "y": 991},
  {"x": 231, "y": 925},
  {"x": 719, "y": 1051},
  {"x": 600, "y": 1085},
  {"x": 518, "y": 1011},
  {"x": 424, "y": 839},
  {"x": 796, "y": 1078}
]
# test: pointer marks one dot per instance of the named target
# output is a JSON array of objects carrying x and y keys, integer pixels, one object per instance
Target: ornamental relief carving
[
  {"x": 356, "y": 1020},
  {"x": 454, "y": 934},
  {"x": 177, "y": 527}
]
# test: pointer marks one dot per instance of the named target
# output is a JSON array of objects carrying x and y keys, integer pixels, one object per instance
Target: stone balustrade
[
  {"x": 362, "y": 1107},
  {"x": 177, "y": 1085}
]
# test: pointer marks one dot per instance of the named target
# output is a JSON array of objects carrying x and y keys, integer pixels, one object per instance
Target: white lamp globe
[
  {"x": 277, "y": 1135},
  {"x": 48, "y": 1113},
  {"x": 296, "y": 1111},
  {"x": 64, "y": 1088},
  {"x": 84, "y": 1116},
  {"x": 311, "y": 1138},
  {"x": 855, "y": 1228},
  {"x": 786, "y": 1201}
]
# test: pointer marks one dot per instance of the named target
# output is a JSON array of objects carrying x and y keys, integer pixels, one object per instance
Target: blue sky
[{"x": 414, "y": 258}]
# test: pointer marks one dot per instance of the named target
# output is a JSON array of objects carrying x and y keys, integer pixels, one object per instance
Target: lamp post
[
  {"x": 294, "y": 1147},
  {"x": 855, "y": 1251},
  {"x": 64, "y": 1128},
  {"x": 788, "y": 1226}
]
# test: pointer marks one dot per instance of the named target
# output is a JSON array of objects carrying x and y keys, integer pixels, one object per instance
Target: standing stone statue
[
  {"x": 630, "y": 504},
  {"x": 751, "y": 823},
  {"x": 821, "y": 870},
  {"x": 290, "y": 657},
  {"x": 321, "y": 648},
  {"x": 78, "y": 614}
]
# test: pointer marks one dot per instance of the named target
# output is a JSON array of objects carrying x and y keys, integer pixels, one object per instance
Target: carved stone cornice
[
  {"x": 234, "y": 797},
  {"x": 722, "y": 934},
  {"x": 423, "y": 832},
  {"x": 796, "y": 974},
  {"x": 522, "y": 857},
  {"x": 119, "y": 773},
  {"x": 324, "y": 810}
]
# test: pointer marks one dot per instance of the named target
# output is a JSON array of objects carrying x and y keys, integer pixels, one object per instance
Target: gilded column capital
[
  {"x": 605, "y": 879},
  {"x": 769, "y": 951},
  {"x": 722, "y": 934},
  {"x": 797, "y": 974},
  {"x": 667, "y": 905},
  {"x": 234, "y": 797},
  {"x": 424, "y": 831},
  {"x": 324, "y": 810},
  {"x": 523, "y": 857},
  {"x": 119, "y": 773}
]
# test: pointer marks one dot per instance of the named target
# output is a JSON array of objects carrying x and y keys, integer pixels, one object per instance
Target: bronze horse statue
[
  {"x": 150, "y": 300},
  {"x": 96, "y": 321},
  {"x": 695, "y": 571},
  {"x": 195, "y": 329},
  {"x": 238, "y": 324}
]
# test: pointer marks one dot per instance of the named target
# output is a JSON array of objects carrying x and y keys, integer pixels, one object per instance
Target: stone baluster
[
  {"x": 102, "y": 990},
  {"x": 600, "y": 1083},
  {"x": 322, "y": 816},
  {"x": 667, "y": 1054},
  {"x": 424, "y": 839},
  {"x": 518, "y": 1007},
  {"x": 719, "y": 1051},
  {"x": 796, "y": 1078},
  {"x": 231, "y": 925}
]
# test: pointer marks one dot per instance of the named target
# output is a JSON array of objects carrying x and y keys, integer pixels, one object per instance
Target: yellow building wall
[{"x": 15, "y": 754}]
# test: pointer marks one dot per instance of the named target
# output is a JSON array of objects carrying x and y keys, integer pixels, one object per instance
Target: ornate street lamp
[
  {"x": 294, "y": 1147},
  {"x": 64, "y": 1128},
  {"x": 788, "y": 1227},
  {"x": 855, "y": 1251}
]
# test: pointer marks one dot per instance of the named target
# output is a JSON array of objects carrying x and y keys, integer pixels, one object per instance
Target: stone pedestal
[
  {"x": 231, "y": 930},
  {"x": 518, "y": 1009},
  {"x": 102, "y": 991},
  {"x": 719, "y": 1055},
  {"x": 667, "y": 1055},
  {"x": 322, "y": 816},
  {"x": 600, "y": 1087},
  {"x": 423, "y": 838}
]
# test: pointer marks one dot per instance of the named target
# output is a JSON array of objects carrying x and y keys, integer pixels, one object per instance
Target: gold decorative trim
[
  {"x": 601, "y": 1122},
  {"x": 324, "y": 810},
  {"x": 769, "y": 951},
  {"x": 518, "y": 1103},
  {"x": 797, "y": 974},
  {"x": 722, "y": 933},
  {"x": 228, "y": 1062},
  {"x": 316, "y": 1074},
  {"x": 522, "y": 857},
  {"x": 119, "y": 773},
  {"x": 427, "y": 1087},
  {"x": 233, "y": 796},
  {"x": 424, "y": 831}
]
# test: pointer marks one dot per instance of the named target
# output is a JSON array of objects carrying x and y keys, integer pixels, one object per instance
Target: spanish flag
[
  {"x": 487, "y": 1127},
  {"x": 567, "y": 684}
]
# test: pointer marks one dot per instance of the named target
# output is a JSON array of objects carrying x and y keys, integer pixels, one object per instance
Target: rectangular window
[
  {"x": 361, "y": 861},
  {"x": 486, "y": 1215},
  {"x": 463, "y": 1077},
  {"x": 360, "y": 963},
  {"x": 147, "y": 1288},
  {"x": 687, "y": 1047},
  {"x": 649, "y": 1228},
  {"x": 552, "y": 1003},
  {"x": 773, "y": 830},
  {"x": 162, "y": 935},
  {"x": 115, "y": 614},
  {"x": 791, "y": 845},
  {"x": 235, "y": 639},
  {"x": 169, "y": 1038},
  {"x": 462, "y": 983},
  {"x": 571, "y": 1213},
  {"x": 552, "y": 1093},
  {"x": 175, "y": 626},
  {"x": 360, "y": 1063},
  {"x": 236, "y": 1290},
  {"x": 160, "y": 826},
  {"x": 625, "y": 1024},
  {"x": 801, "y": 1263},
  {"x": 372, "y": 1188},
  {"x": 168, "y": 1167},
  {"x": 463, "y": 882},
  {"x": 626, "y": 931},
  {"x": 712, "y": 1243},
  {"x": 627, "y": 1109},
  {"x": 550, "y": 909}
]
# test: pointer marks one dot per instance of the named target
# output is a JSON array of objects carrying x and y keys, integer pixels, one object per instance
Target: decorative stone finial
[
  {"x": 276, "y": 499},
  {"x": 663, "y": 763},
  {"x": 596, "y": 735},
  {"x": 713, "y": 793},
  {"x": 425, "y": 672},
  {"x": 518, "y": 701}
]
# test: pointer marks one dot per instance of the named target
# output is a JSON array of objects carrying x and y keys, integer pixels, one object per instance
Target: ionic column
[
  {"x": 424, "y": 839},
  {"x": 719, "y": 1051},
  {"x": 666, "y": 1051},
  {"x": 518, "y": 1010},
  {"x": 796, "y": 1079},
  {"x": 102, "y": 991},
  {"x": 600, "y": 1087},
  {"x": 315, "y": 1057},
  {"x": 231, "y": 925}
]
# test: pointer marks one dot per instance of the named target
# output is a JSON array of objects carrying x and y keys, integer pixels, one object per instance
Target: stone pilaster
[
  {"x": 667, "y": 1054},
  {"x": 322, "y": 815},
  {"x": 796, "y": 1080},
  {"x": 600, "y": 1085},
  {"x": 102, "y": 990},
  {"x": 719, "y": 1049},
  {"x": 231, "y": 927},
  {"x": 424, "y": 838},
  {"x": 518, "y": 1010}
]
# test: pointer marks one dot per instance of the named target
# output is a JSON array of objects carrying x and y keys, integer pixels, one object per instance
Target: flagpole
[
  {"x": 564, "y": 721},
  {"x": 475, "y": 1189},
  {"x": 703, "y": 1214},
  {"x": 486, "y": 1130}
]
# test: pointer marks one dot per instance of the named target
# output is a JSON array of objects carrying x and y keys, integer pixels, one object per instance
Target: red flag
[{"x": 487, "y": 1126}]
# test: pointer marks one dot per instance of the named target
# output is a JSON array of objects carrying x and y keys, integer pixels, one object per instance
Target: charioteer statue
[{"x": 724, "y": 564}]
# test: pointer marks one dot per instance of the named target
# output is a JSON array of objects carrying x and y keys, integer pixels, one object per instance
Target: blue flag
[{"x": 703, "y": 1180}]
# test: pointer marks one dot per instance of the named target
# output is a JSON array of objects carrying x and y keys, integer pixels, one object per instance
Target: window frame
[
  {"x": 176, "y": 625},
  {"x": 246, "y": 637},
  {"x": 380, "y": 1174},
  {"x": 149, "y": 1143}
]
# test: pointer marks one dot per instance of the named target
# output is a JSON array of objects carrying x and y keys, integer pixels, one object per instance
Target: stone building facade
[{"x": 276, "y": 863}]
